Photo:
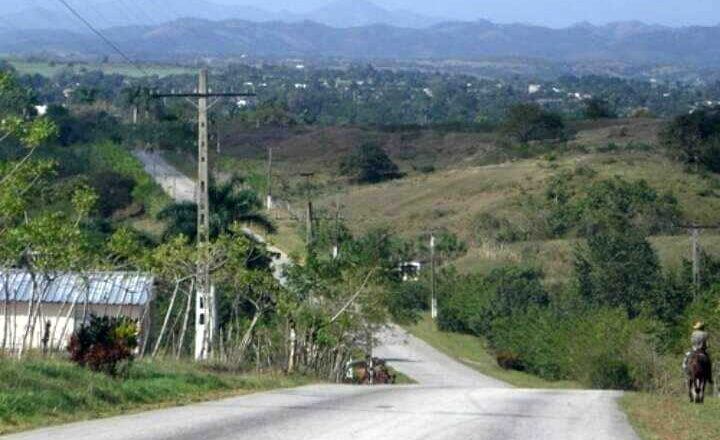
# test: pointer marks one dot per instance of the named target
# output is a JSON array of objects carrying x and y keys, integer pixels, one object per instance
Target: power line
[{"x": 102, "y": 37}]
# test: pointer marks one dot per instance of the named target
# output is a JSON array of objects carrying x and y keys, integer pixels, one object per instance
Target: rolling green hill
[{"x": 472, "y": 179}]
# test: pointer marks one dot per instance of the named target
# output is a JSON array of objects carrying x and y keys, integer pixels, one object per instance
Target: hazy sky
[{"x": 546, "y": 12}]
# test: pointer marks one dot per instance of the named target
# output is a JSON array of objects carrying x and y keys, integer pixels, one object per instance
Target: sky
[{"x": 555, "y": 13}]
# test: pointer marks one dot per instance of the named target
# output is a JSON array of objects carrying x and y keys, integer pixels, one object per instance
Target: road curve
[{"x": 451, "y": 401}]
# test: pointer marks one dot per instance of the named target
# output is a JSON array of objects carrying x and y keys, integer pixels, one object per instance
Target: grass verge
[
  {"x": 44, "y": 392},
  {"x": 657, "y": 417},
  {"x": 473, "y": 352}
]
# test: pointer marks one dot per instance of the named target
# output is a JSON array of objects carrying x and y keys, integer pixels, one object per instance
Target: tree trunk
[
  {"x": 247, "y": 337},
  {"x": 185, "y": 320},
  {"x": 166, "y": 320},
  {"x": 292, "y": 337}
]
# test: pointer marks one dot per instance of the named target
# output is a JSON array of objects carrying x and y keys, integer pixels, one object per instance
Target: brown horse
[{"x": 700, "y": 373}]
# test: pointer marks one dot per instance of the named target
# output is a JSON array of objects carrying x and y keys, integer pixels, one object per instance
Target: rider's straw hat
[{"x": 699, "y": 325}]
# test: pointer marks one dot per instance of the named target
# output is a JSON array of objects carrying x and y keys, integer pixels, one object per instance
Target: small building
[
  {"x": 410, "y": 270},
  {"x": 44, "y": 309},
  {"x": 534, "y": 88}
]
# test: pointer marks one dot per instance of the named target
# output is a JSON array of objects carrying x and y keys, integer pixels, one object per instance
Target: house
[{"x": 42, "y": 310}]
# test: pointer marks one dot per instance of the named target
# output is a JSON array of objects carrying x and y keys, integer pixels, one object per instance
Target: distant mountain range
[
  {"x": 106, "y": 14},
  {"x": 630, "y": 42}
]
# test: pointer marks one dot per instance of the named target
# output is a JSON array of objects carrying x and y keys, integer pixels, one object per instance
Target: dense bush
[
  {"x": 471, "y": 303},
  {"x": 104, "y": 344},
  {"x": 369, "y": 163},
  {"x": 695, "y": 138},
  {"x": 530, "y": 122},
  {"x": 114, "y": 191}
]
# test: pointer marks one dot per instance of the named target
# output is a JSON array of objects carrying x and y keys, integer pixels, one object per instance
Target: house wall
[{"x": 63, "y": 322}]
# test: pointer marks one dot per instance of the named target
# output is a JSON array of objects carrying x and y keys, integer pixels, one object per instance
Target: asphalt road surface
[
  {"x": 460, "y": 405},
  {"x": 451, "y": 401}
]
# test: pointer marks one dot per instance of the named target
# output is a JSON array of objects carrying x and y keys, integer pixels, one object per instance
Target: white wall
[{"x": 63, "y": 321}]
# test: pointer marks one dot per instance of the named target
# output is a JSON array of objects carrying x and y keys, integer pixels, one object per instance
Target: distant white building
[
  {"x": 301, "y": 86},
  {"x": 41, "y": 110},
  {"x": 410, "y": 270},
  {"x": 534, "y": 88},
  {"x": 43, "y": 310}
]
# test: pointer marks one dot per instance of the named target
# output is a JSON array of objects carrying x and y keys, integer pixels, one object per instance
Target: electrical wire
[{"x": 103, "y": 37}]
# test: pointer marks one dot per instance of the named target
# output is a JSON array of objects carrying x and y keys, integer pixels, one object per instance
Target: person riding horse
[{"x": 699, "y": 341}]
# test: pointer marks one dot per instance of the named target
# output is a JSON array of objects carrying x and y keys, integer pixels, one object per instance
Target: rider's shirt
[{"x": 699, "y": 340}]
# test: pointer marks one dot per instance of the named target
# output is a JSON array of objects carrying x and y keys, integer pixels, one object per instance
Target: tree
[
  {"x": 369, "y": 163},
  {"x": 229, "y": 203},
  {"x": 529, "y": 122},
  {"x": 618, "y": 268},
  {"x": 597, "y": 108},
  {"x": 695, "y": 138}
]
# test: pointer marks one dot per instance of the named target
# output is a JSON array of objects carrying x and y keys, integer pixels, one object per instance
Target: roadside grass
[
  {"x": 41, "y": 392},
  {"x": 656, "y": 417},
  {"x": 473, "y": 352}
]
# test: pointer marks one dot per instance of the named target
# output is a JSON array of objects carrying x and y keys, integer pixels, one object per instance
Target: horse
[{"x": 699, "y": 374}]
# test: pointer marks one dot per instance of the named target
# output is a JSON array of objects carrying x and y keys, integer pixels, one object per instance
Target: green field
[
  {"x": 44, "y": 391},
  {"x": 473, "y": 352},
  {"x": 49, "y": 69}
]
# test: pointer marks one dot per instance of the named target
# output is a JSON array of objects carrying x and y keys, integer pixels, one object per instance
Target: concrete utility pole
[
  {"x": 433, "y": 293},
  {"x": 205, "y": 309},
  {"x": 694, "y": 230},
  {"x": 336, "y": 244},
  {"x": 309, "y": 236},
  {"x": 268, "y": 200}
]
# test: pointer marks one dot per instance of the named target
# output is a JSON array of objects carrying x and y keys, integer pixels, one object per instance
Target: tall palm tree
[{"x": 229, "y": 203}]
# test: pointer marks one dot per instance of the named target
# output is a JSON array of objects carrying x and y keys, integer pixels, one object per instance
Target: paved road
[
  {"x": 451, "y": 401},
  {"x": 182, "y": 189}
]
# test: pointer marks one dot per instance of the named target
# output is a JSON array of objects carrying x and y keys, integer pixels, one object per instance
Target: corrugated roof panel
[{"x": 114, "y": 288}]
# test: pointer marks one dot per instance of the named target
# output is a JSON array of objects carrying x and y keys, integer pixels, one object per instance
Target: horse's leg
[{"x": 690, "y": 386}]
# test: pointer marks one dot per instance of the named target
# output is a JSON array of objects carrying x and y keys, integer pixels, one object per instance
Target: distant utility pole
[
  {"x": 433, "y": 293},
  {"x": 694, "y": 230},
  {"x": 205, "y": 312},
  {"x": 336, "y": 244},
  {"x": 309, "y": 236},
  {"x": 268, "y": 200}
]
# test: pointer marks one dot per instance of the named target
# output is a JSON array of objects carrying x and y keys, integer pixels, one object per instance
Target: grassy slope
[
  {"x": 473, "y": 352},
  {"x": 43, "y": 392},
  {"x": 672, "y": 418},
  {"x": 454, "y": 198}
]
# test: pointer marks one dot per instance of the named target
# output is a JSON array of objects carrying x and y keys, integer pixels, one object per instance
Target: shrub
[
  {"x": 114, "y": 191},
  {"x": 509, "y": 361},
  {"x": 530, "y": 122},
  {"x": 370, "y": 164},
  {"x": 104, "y": 344}
]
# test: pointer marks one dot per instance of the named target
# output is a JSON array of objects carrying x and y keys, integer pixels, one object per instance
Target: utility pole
[
  {"x": 309, "y": 236},
  {"x": 217, "y": 136},
  {"x": 695, "y": 233},
  {"x": 336, "y": 244},
  {"x": 694, "y": 230},
  {"x": 205, "y": 308},
  {"x": 433, "y": 293},
  {"x": 268, "y": 200}
]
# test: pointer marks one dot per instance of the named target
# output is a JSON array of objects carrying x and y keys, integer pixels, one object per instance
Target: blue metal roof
[{"x": 111, "y": 288}]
